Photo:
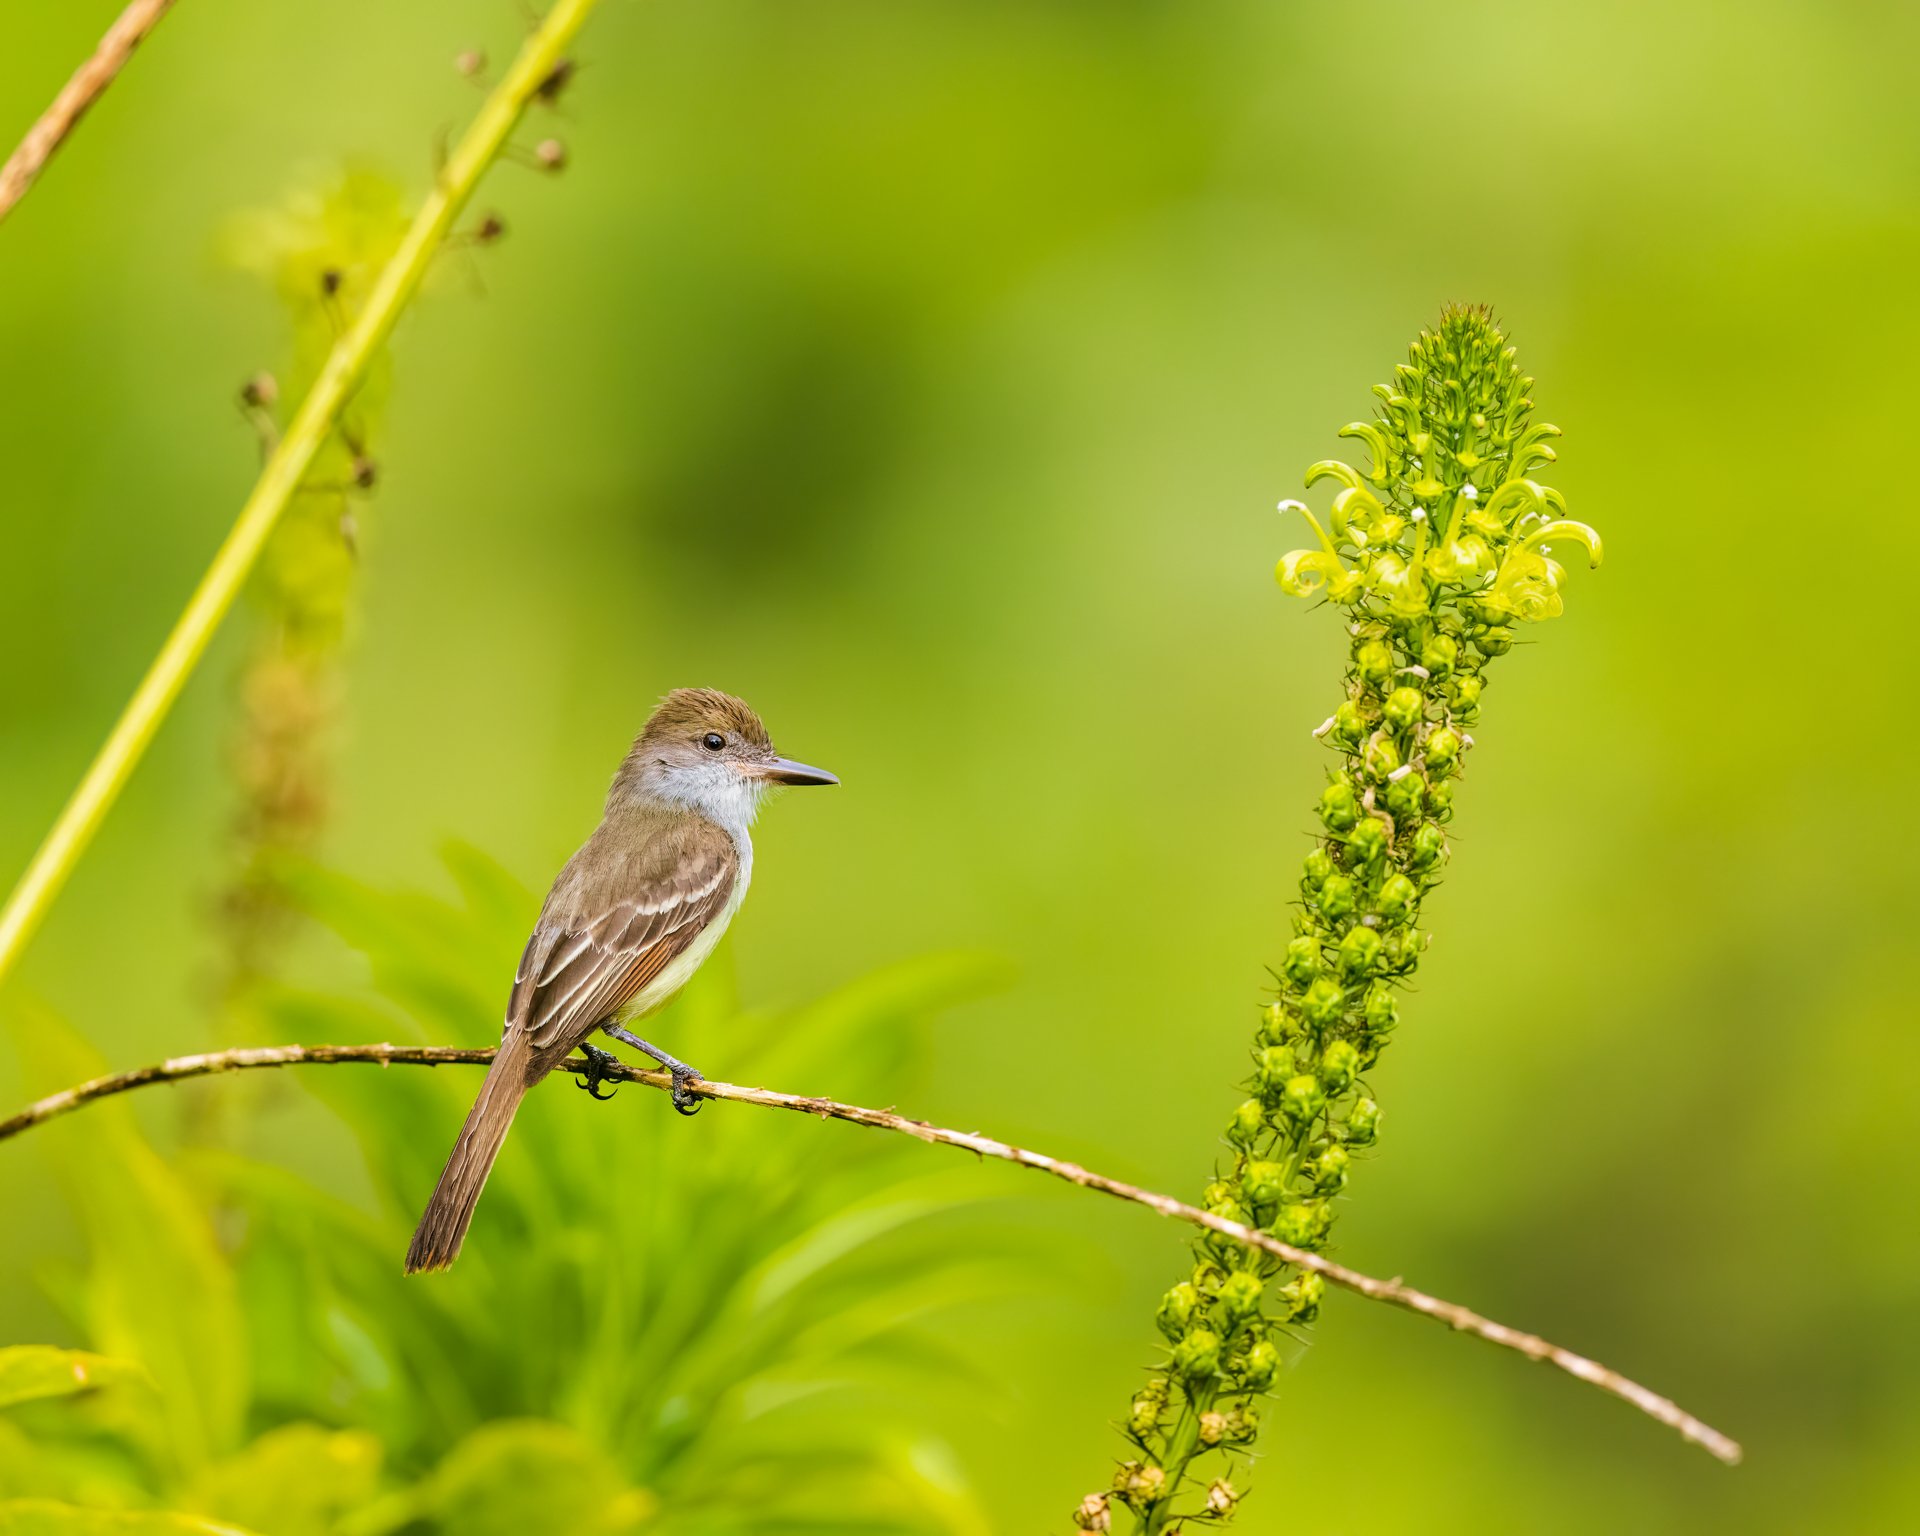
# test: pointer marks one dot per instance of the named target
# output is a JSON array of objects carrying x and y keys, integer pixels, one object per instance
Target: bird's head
[{"x": 708, "y": 750}]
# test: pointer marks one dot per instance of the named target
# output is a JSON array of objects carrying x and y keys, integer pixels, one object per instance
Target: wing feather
[{"x": 625, "y": 907}]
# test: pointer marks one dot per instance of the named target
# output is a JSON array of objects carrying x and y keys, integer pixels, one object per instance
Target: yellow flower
[
  {"x": 1303, "y": 572},
  {"x": 1528, "y": 586}
]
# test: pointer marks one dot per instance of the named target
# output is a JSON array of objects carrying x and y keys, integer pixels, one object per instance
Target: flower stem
[{"x": 279, "y": 480}]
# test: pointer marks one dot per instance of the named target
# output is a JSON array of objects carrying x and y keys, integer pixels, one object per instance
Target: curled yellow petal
[
  {"x": 1376, "y": 442},
  {"x": 1520, "y": 497},
  {"x": 1333, "y": 469},
  {"x": 1460, "y": 561},
  {"x": 1356, "y": 512},
  {"x": 1566, "y": 528},
  {"x": 1398, "y": 582},
  {"x": 1533, "y": 447},
  {"x": 1527, "y": 586},
  {"x": 1303, "y": 572}
]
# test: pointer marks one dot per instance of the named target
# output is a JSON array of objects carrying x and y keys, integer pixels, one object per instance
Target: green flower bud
[
  {"x": 1440, "y": 800},
  {"x": 1401, "y": 949},
  {"x": 1215, "y": 1196},
  {"x": 1339, "y": 808},
  {"x": 1429, "y": 848},
  {"x": 1318, "y": 867},
  {"x": 1260, "y": 1366},
  {"x": 1374, "y": 662},
  {"x": 1263, "y": 1184},
  {"x": 1301, "y": 1297},
  {"x": 1324, "y": 1004},
  {"x": 1176, "y": 1309},
  {"x": 1240, "y": 1295},
  {"x": 1443, "y": 750},
  {"x": 1272, "y": 1069},
  {"x": 1399, "y": 899},
  {"x": 1366, "y": 842},
  {"x": 1243, "y": 1424},
  {"x": 1329, "y": 1170},
  {"x": 1338, "y": 1062},
  {"x": 1299, "y": 1224},
  {"x": 1495, "y": 641},
  {"x": 1349, "y": 726},
  {"x": 1405, "y": 798},
  {"x": 1358, "y": 950},
  {"x": 1337, "y": 898},
  {"x": 1303, "y": 1098},
  {"x": 1440, "y": 655},
  {"x": 1381, "y": 756},
  {"x": 1463, "y": 693},
  {"x": 1248, "y": 1123},
  {"x": 1405, "y": 706},
  {"x": 1278, "y": 1024},
  {"x": 1302, "y": 963},
  {"x": 1382, "y": 1008},
  {"x": 1197, "y": 1356},
  {"x": 1148, "y": 1407},
  {"x": 1363, "y": 1123}
]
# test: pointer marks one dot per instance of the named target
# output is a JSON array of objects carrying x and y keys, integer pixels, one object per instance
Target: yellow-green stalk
[{"x": 1432, "y": 554}]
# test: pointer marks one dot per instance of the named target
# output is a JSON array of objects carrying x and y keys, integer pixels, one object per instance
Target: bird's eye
[{"x": 713, "y": 741}]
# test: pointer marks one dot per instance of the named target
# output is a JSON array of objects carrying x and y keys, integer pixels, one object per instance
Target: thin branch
[
  {"x": 280, "y": 479},
  {"x": 79, "y": 93},
  {"x": 1393, "y": 1292}
]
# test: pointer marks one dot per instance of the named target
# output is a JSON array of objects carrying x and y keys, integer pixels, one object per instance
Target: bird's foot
[
  {"x": 598, "y": 1061},
  {"x": 684, "y": 1099}
]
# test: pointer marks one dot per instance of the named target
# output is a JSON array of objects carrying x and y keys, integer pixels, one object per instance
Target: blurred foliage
[
  {"x": 320, "y": 251},
  {"x": 659, "y": 1325}
]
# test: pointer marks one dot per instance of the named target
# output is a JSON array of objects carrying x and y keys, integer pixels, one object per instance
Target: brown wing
[{"x": 641, "y": 890}]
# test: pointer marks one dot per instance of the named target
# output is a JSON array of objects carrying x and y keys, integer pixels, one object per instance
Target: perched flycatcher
[{"x": 625, "y": 926}]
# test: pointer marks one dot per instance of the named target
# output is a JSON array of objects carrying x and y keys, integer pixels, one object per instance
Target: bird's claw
[
  {"x": 598, "y": 1061},
  {"x": 684, "y": 1099}
]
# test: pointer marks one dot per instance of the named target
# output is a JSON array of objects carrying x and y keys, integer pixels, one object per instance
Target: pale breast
[{"x": 678, "y": 971}]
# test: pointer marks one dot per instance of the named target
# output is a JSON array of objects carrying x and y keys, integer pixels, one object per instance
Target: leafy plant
[{"x": 659, "y": 1325}]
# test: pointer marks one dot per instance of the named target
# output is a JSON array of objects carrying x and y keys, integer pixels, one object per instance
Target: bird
[{"x": 628, "y": 921}]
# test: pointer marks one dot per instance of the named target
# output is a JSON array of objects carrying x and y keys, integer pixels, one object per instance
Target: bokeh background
[{"x": 927, "y": 374}]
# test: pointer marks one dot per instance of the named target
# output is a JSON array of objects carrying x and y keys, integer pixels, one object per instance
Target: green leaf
[
  {"x": 294, "y": 1481},
  {"x": 158, "y": 1291},
  {"x": 28, "y": 1371},
  {"x": 521, "y": 1475}
]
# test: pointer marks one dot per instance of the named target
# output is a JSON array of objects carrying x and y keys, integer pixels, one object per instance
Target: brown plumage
[{"x": 656, "y": 884}]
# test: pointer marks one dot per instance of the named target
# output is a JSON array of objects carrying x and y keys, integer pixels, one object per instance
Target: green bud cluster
[{"x": 1434, "y": 554}]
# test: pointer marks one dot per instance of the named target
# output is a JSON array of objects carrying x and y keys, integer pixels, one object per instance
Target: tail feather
[{"x": 443, "y": 1227}]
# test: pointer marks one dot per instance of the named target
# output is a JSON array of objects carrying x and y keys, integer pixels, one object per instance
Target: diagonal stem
[
  {"x": 312, "y": 423},
  {"x": 89, "y": 81},
  {"x": 1393, "y": 1293}
]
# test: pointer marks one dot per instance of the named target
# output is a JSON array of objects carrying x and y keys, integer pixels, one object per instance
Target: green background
[{"x": 927, "y": 373}]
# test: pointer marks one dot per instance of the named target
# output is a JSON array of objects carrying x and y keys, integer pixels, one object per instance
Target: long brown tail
[{"x": 436, "y": 1242}]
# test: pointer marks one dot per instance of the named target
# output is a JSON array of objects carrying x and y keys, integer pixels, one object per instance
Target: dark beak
[{"x": 784, "y": 770}]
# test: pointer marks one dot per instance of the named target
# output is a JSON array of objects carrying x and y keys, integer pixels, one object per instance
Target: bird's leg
[
  {"x": 683, "y": 1074},
  {"x": 597, "y": 1063}
]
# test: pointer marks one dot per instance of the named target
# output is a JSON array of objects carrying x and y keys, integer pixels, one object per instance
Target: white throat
[{"x": 718, "y": 793}]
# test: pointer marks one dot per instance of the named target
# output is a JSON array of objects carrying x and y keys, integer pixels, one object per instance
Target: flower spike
[{"x": 1435, "y": 556}]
